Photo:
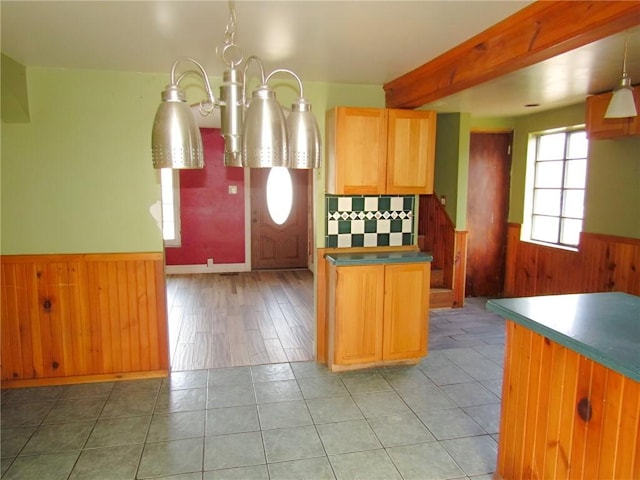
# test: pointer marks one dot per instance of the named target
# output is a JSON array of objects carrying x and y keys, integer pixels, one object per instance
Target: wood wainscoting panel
[
  {"x": 603, "y": 263},
  {"x": 78, "y": 316},
  {"x": 564, "y": 415}
]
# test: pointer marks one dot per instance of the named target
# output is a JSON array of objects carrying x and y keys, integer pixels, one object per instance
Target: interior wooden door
[
  {"x": 487, "y": 212},
  {"x": 279, "y": 246}
]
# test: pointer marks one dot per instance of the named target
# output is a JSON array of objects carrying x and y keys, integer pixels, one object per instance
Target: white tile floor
[{"x": 438, "y": 420}]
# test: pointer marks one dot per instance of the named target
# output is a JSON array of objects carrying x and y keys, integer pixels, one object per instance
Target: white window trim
[{"x": 525, "y": 232}]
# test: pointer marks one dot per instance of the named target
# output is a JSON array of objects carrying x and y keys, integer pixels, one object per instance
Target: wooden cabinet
[
  {"x": 599, "y": 127},
  {"x": 377, "y": 314},
  {"x": 372, "y": 151}
]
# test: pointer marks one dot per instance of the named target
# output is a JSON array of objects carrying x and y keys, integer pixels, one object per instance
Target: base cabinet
[{"x": 378, "y": 314}]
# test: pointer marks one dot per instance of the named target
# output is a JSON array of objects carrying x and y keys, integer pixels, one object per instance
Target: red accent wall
[{"x": 212, "y": 220}]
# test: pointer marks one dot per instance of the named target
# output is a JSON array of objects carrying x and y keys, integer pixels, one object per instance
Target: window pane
[
  {"x": 548, "y": 175},
  {"x": 546, "y": 202},
  {"x": 575, "y": 174},
  {"x": 570, "y": 231},
  {"x": 545, "y": 229},
  {"x": 167, "y": 214},
  {"x": 169, "y": 182},
  {"x": 168, "y": 230},
  {"x": 573, "y": 204},
  {"x": 279, "y": 194},
  {"x": 551, "y": 147},
  {"x": 166, "y": 182},
  {"x": 578, "y": 145}
]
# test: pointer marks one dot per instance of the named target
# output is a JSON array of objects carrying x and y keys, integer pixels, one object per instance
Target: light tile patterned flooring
[{"x": 438, "y": 420}]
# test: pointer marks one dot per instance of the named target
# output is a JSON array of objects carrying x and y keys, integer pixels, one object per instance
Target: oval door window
[{"x": 279, "y": 194}]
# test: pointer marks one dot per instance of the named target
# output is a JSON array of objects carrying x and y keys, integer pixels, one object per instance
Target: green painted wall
[
  {"x": 452, "y": 164},
  {"x": 488, "y": 124},
  {"x": 15, "y": 100},
  {"x": 612, "y": 205},
  {"x": 78, "y": 178}
]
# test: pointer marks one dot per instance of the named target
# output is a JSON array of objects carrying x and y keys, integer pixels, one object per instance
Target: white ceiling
[{"x": 362, "y": 42}]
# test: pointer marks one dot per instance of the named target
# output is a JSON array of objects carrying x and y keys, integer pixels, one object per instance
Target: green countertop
[
  {"x": 604, "y": 327},
  {"x": 372, "y": 258}
]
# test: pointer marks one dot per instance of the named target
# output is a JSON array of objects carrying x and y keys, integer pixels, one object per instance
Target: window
[
  {"x": 279, "y": 194},
  {"x": 558, "y": 187},
  {"x": 170, "y": 186}
]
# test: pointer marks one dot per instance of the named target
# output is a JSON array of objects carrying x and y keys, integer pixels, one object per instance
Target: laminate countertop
[
  {"x": 604, "y": 327},
  {"x": 374, "y": 258}
]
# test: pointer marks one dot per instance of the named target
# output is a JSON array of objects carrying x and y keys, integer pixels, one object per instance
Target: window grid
[{"x": 559, "y": 224}]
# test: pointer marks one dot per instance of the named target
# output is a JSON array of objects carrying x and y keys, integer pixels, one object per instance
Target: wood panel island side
[{"x": 571, "y": 391}]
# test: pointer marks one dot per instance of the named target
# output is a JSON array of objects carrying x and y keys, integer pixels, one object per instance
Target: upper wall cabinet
[
  {"x": 599, "y": 127},
  {"x": 372, "y": 151}
]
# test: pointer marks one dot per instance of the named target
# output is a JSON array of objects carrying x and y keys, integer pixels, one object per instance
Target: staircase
[
  {"x": 448, "y": 247},
  {"x": 439, "y": 297}
]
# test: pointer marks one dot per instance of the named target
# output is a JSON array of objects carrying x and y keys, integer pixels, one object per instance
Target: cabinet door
[
  {"x": 356, "y": 150},
  {"x": 406, "y": 310},
  {"x": 357, "y": 327},
  {"x": 411, "y": 143},
  {"x": 599, "y": 127}
]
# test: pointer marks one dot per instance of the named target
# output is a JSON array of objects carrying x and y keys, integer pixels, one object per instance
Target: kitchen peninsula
[{"x": 571, "y": 391}]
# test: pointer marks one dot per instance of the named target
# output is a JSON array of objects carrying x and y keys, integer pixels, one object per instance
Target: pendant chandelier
[{"x": 256, "y": 131}]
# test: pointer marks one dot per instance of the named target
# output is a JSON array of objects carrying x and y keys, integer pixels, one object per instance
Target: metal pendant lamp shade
[
  {"x": 303, "y": 136},
  {"x": 264, "y": 134},
  {"x": 175, "y": 138},
  {"x": 622, "y": 103}
]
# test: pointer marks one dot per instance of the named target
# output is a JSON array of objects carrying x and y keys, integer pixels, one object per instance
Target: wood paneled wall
[
  {"x": 448, "y": 246},
  {"x": 603, "y": 263},
  {"x": 564, "y": 415},
  {"x": 72, "y": 318}
]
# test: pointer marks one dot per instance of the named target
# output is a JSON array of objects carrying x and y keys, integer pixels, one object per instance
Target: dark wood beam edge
[{"x": 538, "y": 32}]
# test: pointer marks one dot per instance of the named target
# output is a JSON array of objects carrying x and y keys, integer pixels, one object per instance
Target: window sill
[{"x": 551, "y": 245}]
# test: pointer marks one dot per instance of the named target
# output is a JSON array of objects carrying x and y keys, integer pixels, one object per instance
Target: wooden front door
[
  {"x": 273, "y": 245},
  {"x": 487, "y": 212}
]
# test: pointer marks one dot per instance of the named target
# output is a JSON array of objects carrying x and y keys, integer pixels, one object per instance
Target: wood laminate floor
[{"x": 249, "y": 318}]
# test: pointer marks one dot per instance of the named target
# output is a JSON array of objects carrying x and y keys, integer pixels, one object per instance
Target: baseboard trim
[
  {"x": 215, "y": 268},
  {"x": 106, "y": 377}
]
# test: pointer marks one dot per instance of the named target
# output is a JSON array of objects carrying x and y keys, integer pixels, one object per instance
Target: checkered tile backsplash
[{"x": 371, "y": 221}]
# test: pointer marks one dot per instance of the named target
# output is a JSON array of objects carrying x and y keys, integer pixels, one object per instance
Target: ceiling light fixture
[
  {"x": 622, "y": 103},
  {"x": 256, "y": 132}
]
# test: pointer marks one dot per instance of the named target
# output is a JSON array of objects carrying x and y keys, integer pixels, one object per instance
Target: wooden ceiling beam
[{"x": 538, "y": 32}]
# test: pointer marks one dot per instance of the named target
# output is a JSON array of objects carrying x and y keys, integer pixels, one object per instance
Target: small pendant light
[
  {"x": 175, "y": 138},
  {"x": 622, "y": 103},
  {"x": 264, "y": 133}
]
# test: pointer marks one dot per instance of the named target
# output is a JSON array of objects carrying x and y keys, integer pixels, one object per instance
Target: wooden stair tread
[{"x": 441, "y": 298}]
